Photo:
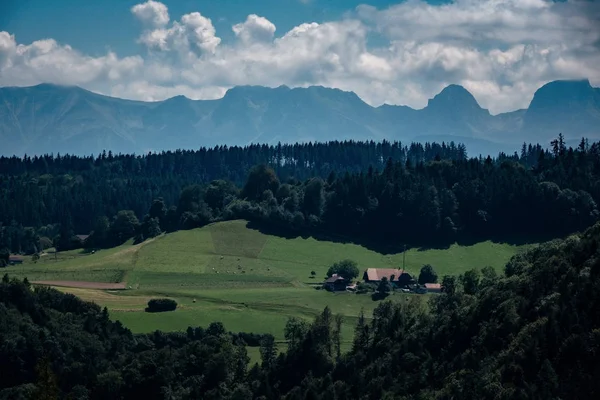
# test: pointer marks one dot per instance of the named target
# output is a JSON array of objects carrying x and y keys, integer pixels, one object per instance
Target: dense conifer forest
[
  {"x": 389, "y": 193},
  {"x": 529, "y": 334}
]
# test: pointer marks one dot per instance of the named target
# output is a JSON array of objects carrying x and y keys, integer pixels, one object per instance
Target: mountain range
[{"x": 66, "y": 119}]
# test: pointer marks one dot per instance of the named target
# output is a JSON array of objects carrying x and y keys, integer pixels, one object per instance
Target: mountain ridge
[{"x": 49, "y": 118}]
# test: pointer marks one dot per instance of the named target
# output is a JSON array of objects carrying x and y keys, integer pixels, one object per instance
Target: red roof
[
  {"x": 433, "y": 286},
  {"x": 376, "y": 274}
]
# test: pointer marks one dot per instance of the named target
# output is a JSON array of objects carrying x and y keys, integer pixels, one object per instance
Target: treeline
[
  {"x": 428, "y": 202},
  {"x": 48, "y": 190},
  {"x": 533, "y": 333}
]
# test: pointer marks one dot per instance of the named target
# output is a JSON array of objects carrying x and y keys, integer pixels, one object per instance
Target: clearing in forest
[{"x": 246, "y": 279}]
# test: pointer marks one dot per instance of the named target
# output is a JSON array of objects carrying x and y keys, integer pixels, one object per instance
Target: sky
[{"x": 394, "y": 52}]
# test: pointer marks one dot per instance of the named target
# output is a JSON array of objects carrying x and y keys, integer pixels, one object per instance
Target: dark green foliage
[
  {"x": 100, "y": 235},
  {"x": 65, "y": 239},
  {"x": 295, "y": 331},
  {"x": 314, "y": 197},
  {"x": 4, "y": 256},
  {"x": 383, "y": 289},
  {"x": 124, "y": 226},
  {"x": 57, "y": 346},
  {"x": 260, "y": 178},
  {"x": 160, "y": 305},
  {"x": 449, "y": 284},
  {"x": 364, "y": 287},
  {"x": 158, "y": 210},
  {"x": 531, "y": 334},
  {"x": 427, "y": 275},
  {"x": 470, "y": 281},
  {"x": 268, "y": 351},
  {"x": 376, "y": 193},
  {"x": 347, "y": 269},
  {"x": 151, "y": 227}
]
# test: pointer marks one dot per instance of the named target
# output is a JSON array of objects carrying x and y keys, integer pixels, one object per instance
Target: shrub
[
  {"x": 363, "y": 287},
  {"x": 161, "y": 305}
]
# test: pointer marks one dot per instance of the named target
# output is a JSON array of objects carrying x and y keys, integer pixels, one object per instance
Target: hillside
[
  {"x": 531, "y": 333},
  {"x": 52, "y": 119},
  {"x": 228, "y": 267}
]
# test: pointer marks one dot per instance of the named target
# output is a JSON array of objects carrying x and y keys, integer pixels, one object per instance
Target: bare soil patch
[{"x": 83, "y": 285}]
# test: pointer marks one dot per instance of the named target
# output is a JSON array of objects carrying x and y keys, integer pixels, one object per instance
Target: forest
[
  {"x": 531, "y": 333},
  {"x": 430, "y": 195}
]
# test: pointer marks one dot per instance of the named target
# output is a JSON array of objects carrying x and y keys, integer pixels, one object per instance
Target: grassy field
[{"x": 250, "y": 281}]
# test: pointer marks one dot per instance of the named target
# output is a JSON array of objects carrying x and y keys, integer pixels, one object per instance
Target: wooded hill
[
  {"x": 382, "y": 192},
  {"x": 533, "y": 333}
]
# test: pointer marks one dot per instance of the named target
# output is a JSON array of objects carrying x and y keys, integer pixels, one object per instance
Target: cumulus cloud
[
  {"x": 501, "y": 51},
  {"x": 152, "y": 12},
  {"x": 47, "y": 61},
  {"x": 254, "y": 29},
  {"x": 194, "y": 32}
]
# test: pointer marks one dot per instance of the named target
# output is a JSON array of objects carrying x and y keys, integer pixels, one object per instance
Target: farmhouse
[
  {"x": 335, "y": 283},
  {"x": 400, "y": 277},
  {"x": 14, "y": 260}
]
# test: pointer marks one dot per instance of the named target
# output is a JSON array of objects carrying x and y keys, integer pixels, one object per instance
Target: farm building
[
  {"x": 82, "y": 238},
  {"x": 14, "y": 260},
  {"x": 335, "y": 283},
  {"x": 433, "y": 287},
  {"x": 400, "y": 277}
]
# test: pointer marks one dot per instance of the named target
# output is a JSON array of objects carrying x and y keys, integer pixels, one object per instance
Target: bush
[
  {"x": 161, "y": 305},
  {"x": 364, "y": 287}
]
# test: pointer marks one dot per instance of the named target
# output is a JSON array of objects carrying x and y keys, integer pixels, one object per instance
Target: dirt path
[{"x": 83, "y": 285}]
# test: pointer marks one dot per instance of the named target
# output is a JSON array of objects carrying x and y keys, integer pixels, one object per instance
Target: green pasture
[{"x": 248, "y": 280}]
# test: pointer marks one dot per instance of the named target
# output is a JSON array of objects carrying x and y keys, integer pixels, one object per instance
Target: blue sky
[
  {"x": 91, "y": 26},
  {"x": 386, "y": 51}
]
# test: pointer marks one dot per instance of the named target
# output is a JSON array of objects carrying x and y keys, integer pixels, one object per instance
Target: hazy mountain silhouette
[{"x": 51, "y": 119}]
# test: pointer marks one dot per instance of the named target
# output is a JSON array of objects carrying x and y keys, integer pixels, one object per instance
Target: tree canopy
[
  {"x": 427, "y": 275},
  {"x": 530, "y": 333},
  {"x": 347, "y": 269}
]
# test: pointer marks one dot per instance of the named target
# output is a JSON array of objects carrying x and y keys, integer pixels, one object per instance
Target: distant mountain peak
[
  {"x": 254, "y": 89},
  {"x": 564, "y": 93},
  {"x": 453, "y": 97},
  {"x": 178, "y": 98},
  {"x": 51, "y": 118}
]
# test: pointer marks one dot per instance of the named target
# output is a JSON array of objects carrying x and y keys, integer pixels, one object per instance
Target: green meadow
[{"x": 248, "y": 280}]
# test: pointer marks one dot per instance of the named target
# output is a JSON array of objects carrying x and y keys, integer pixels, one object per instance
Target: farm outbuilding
[
  {"x": 14, "y": 260},
  {"x": 335, "y": 283},
  {"x": 433, "y": 287}
]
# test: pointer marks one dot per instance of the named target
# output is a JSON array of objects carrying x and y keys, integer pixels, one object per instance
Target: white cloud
[
  {"x": 499, "y": 50},
  {"x": 254, "y": 29},
  {"x": 193, "y": 32},
  {"x": 152, "y": 12},
  {"x": 150, "y": 91},
  {"x": 47, "y": 61}
]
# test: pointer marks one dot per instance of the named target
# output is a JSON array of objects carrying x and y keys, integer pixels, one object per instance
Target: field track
[{"x": 83, "y": 285}]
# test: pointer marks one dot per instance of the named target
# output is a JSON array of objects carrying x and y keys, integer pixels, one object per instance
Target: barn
[{"x": 398, "y": 277}]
